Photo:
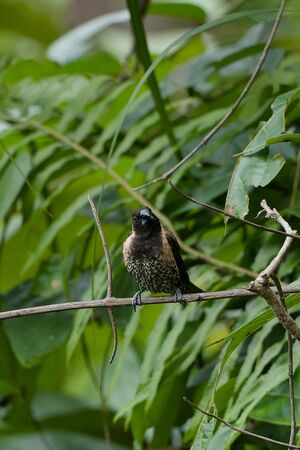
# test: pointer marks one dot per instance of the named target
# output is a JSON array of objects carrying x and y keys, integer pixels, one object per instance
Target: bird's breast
[
  {"x": 152, "y": 264},
  {"x": 139, "y": 247}
]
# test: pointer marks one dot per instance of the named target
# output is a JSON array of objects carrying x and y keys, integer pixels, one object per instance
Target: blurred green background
[{"x": 73, "y": 123}]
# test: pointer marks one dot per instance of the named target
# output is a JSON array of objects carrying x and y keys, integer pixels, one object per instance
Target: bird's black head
[{"x": 145, "y": 222}]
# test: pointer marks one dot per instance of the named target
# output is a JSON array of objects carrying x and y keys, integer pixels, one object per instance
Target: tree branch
[
  {"x": 233, "y": 108},
  {"x": 239, "y": 430},
  {"x": 109, "y": 278},
  {"x": 231, "y": 216},
  {"x": 290, "y": 367},
  {"x": 261, "y": 284},
  {"x": 119, "y": 302}
]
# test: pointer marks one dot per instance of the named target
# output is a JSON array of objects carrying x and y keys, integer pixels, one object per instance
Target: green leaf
[
  {"x": 83, "y": 316},
  {"x": 182, "y": 10},
  {"x": 56, "y": 226},
  {"x": 269, "y": 14},
  {"x": 238, "y": 336},
  {"x": 275, "y": 408},
  {"x": 255, "y": 170},
  {"x": 12, "y": 180},
  {"x": 102, "y": 63},
  {"x": 275, "y": 126},
  {"x": 33, "y": 337},
  {"x": 61, "y": 439}
]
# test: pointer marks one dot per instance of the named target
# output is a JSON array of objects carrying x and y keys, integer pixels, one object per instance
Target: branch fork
[{"x": 261, "y": 284}]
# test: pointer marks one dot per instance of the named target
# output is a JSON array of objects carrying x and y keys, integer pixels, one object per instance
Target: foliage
[{"x": 91, "y": 126}]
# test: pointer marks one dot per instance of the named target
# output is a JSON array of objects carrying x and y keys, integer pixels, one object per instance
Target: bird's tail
[{"x": 193, "y": 289}]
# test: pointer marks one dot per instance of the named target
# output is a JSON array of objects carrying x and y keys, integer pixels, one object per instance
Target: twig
[
  {"x": 119, "y": 302},
  {"x": 105, "y": 247},
  {"x": 109, "y": 278},
  {"x": 239, "y": 430},
  {"x": 290, "y": 367},
  {"x": 261, "y": 284},
  {"x": 233, "y": 108},
  {"x": 278, "y": 259},
  {"x": 231, "y": 216}
]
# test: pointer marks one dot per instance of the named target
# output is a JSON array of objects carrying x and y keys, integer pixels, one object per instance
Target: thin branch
[
  {"x": 290, "y": 367},
  {"x": 261, "y": 284},
  {"x": 233, "y": 108},
  {"x": 105, "y": 247},
  {"x": 239, "y": 430},
  {"x": 109, "y": 277},
  {"x": 231, "y": 216},
  {"x": 278, "y": 259},
  {"x": 119, "y": 302}
]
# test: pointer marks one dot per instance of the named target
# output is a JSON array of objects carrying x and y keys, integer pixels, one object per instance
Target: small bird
[{"x": 152, "y": 255}]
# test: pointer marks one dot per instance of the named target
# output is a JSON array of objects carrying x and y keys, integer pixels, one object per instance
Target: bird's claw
[
  {"x": 137, "y": 300},
  {"x": 178, "y": 298}
]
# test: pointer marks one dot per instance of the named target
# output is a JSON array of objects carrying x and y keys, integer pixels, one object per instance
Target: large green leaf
[
  {"x": 255, "y": 170},
  {"x": 271, "y": 131}
]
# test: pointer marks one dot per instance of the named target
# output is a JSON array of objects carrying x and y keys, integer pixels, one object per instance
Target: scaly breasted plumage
[{"x": 152, "y": 255}]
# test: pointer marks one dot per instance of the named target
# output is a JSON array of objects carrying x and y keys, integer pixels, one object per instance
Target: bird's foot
[
  {"x": 137, "y": 299},
  {"x": 179, "y": 299}
]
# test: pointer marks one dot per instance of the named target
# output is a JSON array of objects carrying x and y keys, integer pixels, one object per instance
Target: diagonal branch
[
  {"x": 109, "y": 277},
  {"x": 231, "y": 216},
  {"x": 239, "y": 430},
  {"x": 233, "y": 108},
  {"x": 261, "y": 284}
]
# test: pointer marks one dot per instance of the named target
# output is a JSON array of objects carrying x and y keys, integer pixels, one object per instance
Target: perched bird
[{"x": 152, "y": 255}]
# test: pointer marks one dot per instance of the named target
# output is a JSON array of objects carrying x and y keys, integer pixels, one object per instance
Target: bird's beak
[{"x": 144, "y": 221}]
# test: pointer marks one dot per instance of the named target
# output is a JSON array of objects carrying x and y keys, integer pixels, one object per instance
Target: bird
[{"x": 152, "y": 255}]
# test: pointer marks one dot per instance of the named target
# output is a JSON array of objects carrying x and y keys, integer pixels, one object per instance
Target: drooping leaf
[
  {"x": 275, "y": 126},
  {"x": 256, "y": 170}
]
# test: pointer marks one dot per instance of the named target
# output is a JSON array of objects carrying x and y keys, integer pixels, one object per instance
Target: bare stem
[
  {"x": 239, "y": 430},
  {"x": 261, "y": 284},
  {"x": 109, "y": 277}
]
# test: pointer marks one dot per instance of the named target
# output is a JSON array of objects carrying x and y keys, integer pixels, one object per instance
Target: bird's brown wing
[
  {"x": 189, "y": 287},
  {"x": 172, "y": 241}
]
